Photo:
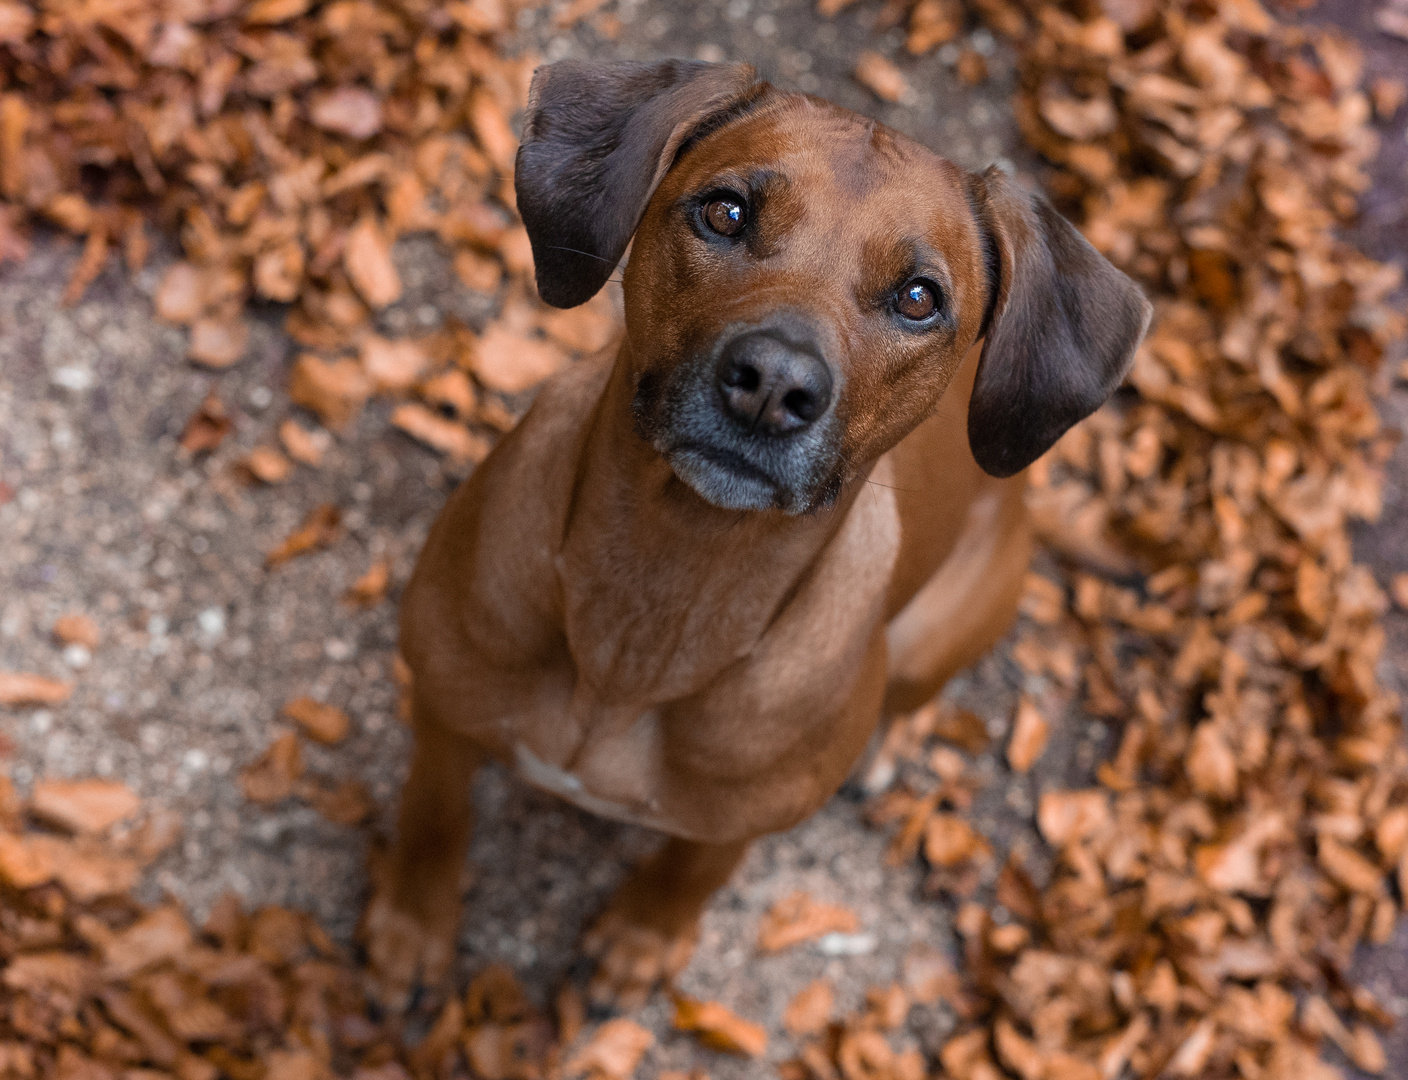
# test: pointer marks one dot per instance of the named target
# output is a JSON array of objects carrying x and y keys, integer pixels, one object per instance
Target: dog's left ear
[
  {"x": 1062, "y": 327},
  {"x": 597, "y": 139}
]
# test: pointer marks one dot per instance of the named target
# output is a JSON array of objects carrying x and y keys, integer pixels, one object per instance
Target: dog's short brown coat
[{"x": 582, "y": 613}]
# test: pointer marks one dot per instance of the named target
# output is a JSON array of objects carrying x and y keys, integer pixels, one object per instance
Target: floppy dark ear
[
  {"x": 597, "y": 139},
  {"x": 1062, "y": 328}
]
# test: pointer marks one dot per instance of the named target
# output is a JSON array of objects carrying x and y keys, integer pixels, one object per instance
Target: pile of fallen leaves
[
  {"x": 289, "y": 145},
  {"x": 1251, "y": 829},
  {"x": 95, "y": 986}
]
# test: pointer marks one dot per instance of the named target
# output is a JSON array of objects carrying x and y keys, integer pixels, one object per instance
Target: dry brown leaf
[
  {"x": 1068, "y": 817},
  {"x": 507, "y": 361},
  {"x": 272, "y": 776},
  {"x": 218, "y": 343},
  {"x": 950, "y": 841},
  {"x": 1078, "y": 118},
  {"x": 22, "y": 688},
  {"x": 587, "y": 328},
  {"x": 349, "y": 110},
  {"x": 180, "y": 296},
  {"x": 370, "y": 589},
  {"x": 161, "y": 935},
  {"x": 335, "y": 390},
  {"x": 931, "y": 23},
  {"x": 85, "y": 873},
  {"x": 278, "y": 272},
  {"x": 367, "y": 259},
  {"x": 962, "y": 727},
  {"x": 613, "y": 1052},
  {"x": 478, "y": 272},
  {"x": 451, "y": 393},
  {"x": 972, "y": 69},
  {"x": 89, "y": 266},
  {"x": 265, "y": 12},
  {"x": 83, "y": 806},
  {"x": 305, "y": 447},
  {"x": 810, "y": 1011},
  {"x": 492, "y": 129},
  {"x": 719, "y": 1028},
  {"x": 1388, "y": 96},
  {"x": 881, "y": 77},
  {"x": 438, "y": 433},
  {"x": 75, "y": 628},
  {"x": 393, "y": 366},
  {"x": 1398, "y": 589},
  {"x": 1212, "y": 767},
  {"x": 24, "y": 861},
  {"x": 1350, "y": 869},
  {"x": 267, "y": 465},
  {"x": 797, "y": 918},
  {"x": 320, "y": 529},
  {"x": 16, "y": 22},
  {"x": 1393, "y": 22},
  {"x": 297, "y": 1064},
  {"x": 348, "y": 803},
  {"x": 319, "y": 721},
  {"x": 207, "y": 427},
  {"x": 1029, "y": 734}
]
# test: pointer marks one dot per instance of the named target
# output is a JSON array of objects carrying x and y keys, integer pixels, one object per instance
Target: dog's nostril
[
  {"x": 771, "y": 386},
  {"x": 802, "y": 404},
  {"x": 743, "y": 377}
]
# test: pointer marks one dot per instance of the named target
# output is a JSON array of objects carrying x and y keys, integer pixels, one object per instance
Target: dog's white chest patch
[{"x": 569, "y": 786}]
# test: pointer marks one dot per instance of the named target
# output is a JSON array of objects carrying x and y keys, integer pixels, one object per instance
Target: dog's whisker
[
  {"x": 579, "y": 251},
  {"x": 890, "y": 487}
]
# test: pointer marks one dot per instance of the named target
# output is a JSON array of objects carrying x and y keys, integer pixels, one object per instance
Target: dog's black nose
[{"x": 771, "y": 385}]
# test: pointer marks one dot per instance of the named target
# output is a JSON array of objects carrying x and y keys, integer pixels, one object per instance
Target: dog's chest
[
  {"x": 612, "y": 768},
  {"x": 558, "y": 781}
]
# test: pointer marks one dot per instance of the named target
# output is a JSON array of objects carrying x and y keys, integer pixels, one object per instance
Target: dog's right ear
[{"x": 597, "y": 139}]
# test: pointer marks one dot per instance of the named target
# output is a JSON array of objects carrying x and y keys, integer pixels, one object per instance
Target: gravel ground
[{"x": 202, "y": 645}]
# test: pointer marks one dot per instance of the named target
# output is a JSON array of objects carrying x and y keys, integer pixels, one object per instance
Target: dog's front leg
[
  {"x": 412, "y": 922},
  {"x": 648, "y": 932}
]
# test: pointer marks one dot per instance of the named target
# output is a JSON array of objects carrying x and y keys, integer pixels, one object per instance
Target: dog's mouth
[
  {"x": 724, "y": 478},
  {"x": 680, "y": 414}
]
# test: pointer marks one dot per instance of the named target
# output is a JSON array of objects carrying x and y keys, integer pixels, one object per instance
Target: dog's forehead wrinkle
[{"x": 821, "y": 147}]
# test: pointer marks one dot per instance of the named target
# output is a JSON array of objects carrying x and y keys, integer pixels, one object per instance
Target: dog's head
[{"x": 804, "y": 282}]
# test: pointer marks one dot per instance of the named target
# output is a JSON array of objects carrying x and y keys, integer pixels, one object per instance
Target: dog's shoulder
[
  {"x": 488, "y": 565},
  {"x": 532, "y": 468},
  {"x": 563, "y": 409}
]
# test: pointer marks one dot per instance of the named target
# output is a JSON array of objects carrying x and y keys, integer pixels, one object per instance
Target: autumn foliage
[{"x": 1250, "y": 830}]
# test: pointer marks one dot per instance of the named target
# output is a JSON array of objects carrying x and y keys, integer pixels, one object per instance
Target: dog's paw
[
  {"x": 633, "y": 959},
  {"x": 405, "y": 950}
]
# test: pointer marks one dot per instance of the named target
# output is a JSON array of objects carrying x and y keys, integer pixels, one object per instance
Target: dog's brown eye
[
  {"x": 725, "y": 216},
  {"x": 916, "y": 301}
]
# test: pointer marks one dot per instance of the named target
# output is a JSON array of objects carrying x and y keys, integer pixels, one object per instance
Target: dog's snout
[{"x": 771, "y": 385}]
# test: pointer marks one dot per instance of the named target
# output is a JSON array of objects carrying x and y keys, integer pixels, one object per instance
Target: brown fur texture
[{"x": 669, "y": 618}]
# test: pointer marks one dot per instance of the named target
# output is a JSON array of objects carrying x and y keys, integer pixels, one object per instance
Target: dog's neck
[{"x": 661, "y": 589}]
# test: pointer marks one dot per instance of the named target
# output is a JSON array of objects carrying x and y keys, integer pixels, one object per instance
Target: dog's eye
[
  {"x": 725, "y": 216},
  {"x": 916, "y": 301}
]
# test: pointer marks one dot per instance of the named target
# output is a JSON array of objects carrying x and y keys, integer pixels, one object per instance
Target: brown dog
[{"x": 685, "y": 588}]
